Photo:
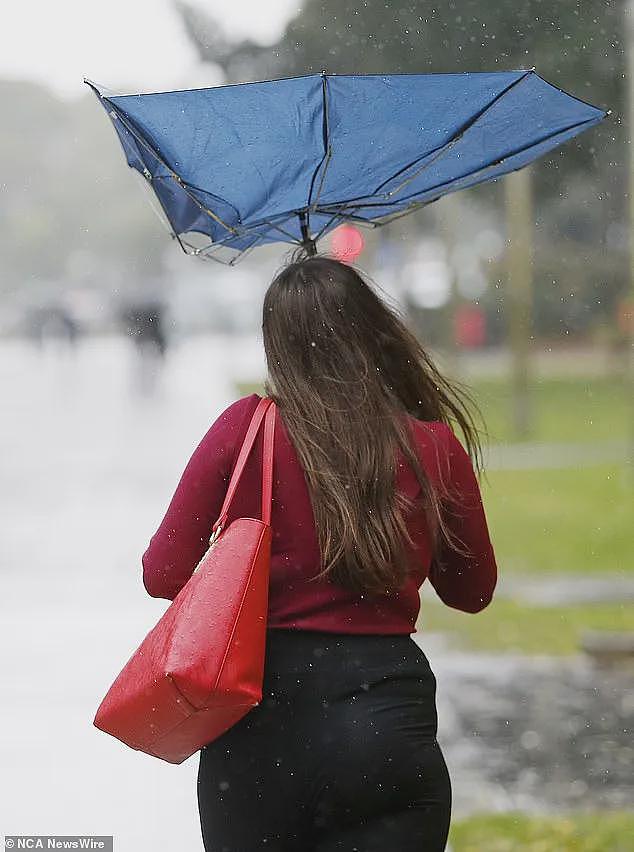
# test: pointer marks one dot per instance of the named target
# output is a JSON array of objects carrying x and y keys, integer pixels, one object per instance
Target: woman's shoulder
[
  {"x": 435, "y": 428},
  {"x": 438, "y": 438},
  {"x": 233, "y": 416},
  {"x": 240, "y": 406}
]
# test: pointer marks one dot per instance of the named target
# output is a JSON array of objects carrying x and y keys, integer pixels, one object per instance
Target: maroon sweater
[{"x": 465, "y": 583}]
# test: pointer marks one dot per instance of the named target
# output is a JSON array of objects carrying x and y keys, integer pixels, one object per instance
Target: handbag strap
[
  {"x": 267, "y": 463},
  {"x": 265, "y": 410}
]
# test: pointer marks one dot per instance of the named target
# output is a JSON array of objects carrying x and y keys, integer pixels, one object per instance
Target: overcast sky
[{"x": 133, "y": 45}]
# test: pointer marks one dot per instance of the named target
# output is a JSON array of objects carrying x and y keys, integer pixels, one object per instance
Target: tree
[{"x": 576, "y": 46}]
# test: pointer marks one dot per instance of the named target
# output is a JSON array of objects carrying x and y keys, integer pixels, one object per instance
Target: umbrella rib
[
  {"x": 447, "y": 146},
  {"x": 241, "y": 255},
  {"x": 193, "y": 186},
  {"x": 244, "y": 252},
  {"x": 453, "y": 141},
  {"x": 160, "y": 212},
  {"x": 201, "y": 206},
  {"x": 272, "y": 226},
  {"x": 392, "y": 217},
  {"x": 172, "y": 230},
  {"x": 270, "y": 220},
  {"x": 208, "y": 254},
  {"x": 325, "y": 160},
  {"x": 208, "y": 250},
  {"x": 370, "y": 223},
  {"x": 470, "y": 174},
  {"x": 140, "y": 138},
  {"x": 338, "y": 214}
]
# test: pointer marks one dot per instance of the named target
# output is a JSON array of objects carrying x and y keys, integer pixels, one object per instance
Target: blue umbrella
[{"x": 288, "y": 160}]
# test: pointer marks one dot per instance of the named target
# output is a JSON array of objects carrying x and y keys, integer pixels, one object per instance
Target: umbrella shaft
[{"x": 307, "y": 242}]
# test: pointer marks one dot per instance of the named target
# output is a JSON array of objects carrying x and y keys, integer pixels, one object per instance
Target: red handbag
[{"x": 200, "y": 669}]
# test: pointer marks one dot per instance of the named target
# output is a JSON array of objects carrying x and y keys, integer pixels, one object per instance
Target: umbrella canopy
[{"x": 288, "y": 160}]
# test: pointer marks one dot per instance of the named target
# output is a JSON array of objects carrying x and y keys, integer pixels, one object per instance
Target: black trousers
[{"x": 341, "y": 754}]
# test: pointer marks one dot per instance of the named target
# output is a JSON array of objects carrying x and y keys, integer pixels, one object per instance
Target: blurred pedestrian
[
  {"x": 143, "y": 321},
  {"x": 54, "y": 323},
  {"x": 372, "y": 494}
]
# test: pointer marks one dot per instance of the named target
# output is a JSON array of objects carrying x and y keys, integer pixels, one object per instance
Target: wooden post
[
  {"x": 518, "y": 300},
  {"x": 629, "y": 377},
  {"x": 447, "y": 211}
]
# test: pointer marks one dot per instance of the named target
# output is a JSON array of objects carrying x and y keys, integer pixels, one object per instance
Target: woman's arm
[
  {"x": 464, "y": 582},
  {"x": 183, "y": 536}
]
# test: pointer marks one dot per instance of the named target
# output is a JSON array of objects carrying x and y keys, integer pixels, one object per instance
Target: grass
[
  {"x": 567, "y": 410},
  {"x": 604, "y": 831},
  {"x": 507, "y": 625},
  {"x": 561, "y": 520}
]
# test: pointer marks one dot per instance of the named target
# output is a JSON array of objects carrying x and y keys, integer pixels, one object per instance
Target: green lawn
[
  {"x": 568, "y": 519},
  {"x": 564, "y": 409},
  {"x": 604, "y": 831},
  {"x": 507, "y": 625}
]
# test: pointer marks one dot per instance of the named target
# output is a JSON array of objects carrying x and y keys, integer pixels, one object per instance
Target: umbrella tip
[{"x": 92, "y": 85}]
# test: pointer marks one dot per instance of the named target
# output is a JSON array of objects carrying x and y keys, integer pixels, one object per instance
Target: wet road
[{"x": 538, "y": 734}]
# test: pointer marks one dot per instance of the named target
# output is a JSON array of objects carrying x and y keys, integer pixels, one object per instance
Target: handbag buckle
[
  {"x": 215, "y": 535},
  {"x": 212, "y": 541}
]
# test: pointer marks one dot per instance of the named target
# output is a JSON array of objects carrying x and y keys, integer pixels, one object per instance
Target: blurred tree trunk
[
  {"x": 629, "y": 34},
  {"x": 446, "y": 212},
  {"x": 518, "y": 298}
]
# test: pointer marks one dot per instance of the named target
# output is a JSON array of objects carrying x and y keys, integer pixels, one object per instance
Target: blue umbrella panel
[{"x": 237, "y": 166}]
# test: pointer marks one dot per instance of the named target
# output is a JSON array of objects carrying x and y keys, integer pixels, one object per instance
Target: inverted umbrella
[{"x": 288, "y": 160}]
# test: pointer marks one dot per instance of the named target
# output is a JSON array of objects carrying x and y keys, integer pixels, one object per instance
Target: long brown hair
[{"x": 343, "y": 369}]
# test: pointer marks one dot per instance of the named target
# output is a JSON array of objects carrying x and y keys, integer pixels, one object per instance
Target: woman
[{"x": 372, "y": 494}]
